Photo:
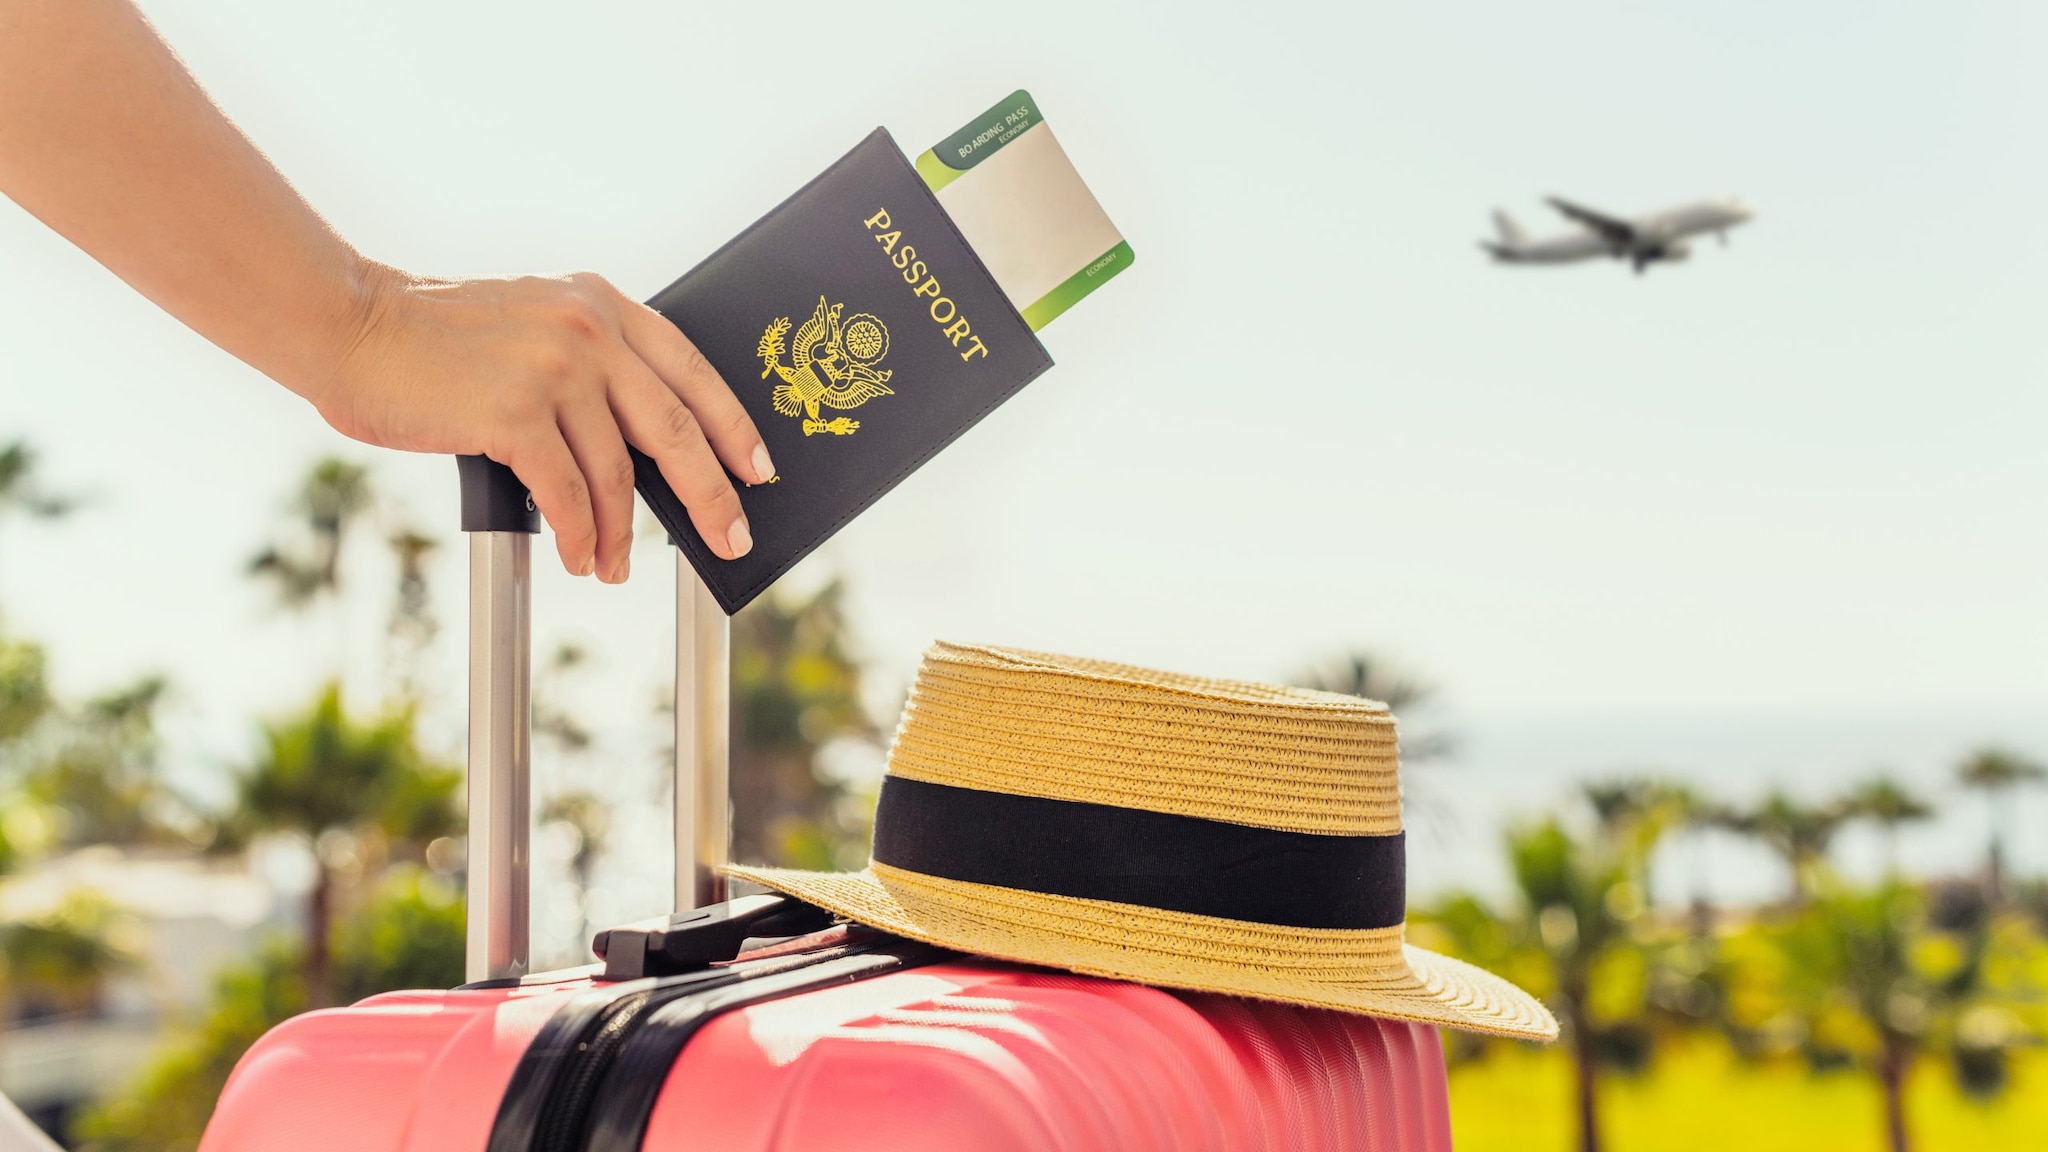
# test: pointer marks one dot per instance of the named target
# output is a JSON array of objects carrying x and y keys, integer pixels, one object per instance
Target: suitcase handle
[{"x": 499, "y": 517}]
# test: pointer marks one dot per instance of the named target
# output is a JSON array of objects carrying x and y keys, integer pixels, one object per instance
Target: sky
[{"x": 1769, "y": 517}]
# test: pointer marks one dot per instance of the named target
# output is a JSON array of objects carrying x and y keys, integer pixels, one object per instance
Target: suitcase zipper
[{"x": 624, "y": 1101}]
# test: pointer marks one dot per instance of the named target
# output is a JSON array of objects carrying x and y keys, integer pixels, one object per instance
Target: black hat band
[{"x": 1133, "y": 856}]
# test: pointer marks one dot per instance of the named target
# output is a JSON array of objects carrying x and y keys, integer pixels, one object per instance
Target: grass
[{"x": 1700, "y": 1097}]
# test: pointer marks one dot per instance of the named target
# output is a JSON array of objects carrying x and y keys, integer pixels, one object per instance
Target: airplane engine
[{"x": 1676, "y": 251}]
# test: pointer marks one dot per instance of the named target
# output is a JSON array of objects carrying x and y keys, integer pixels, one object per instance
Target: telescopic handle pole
[
  {"x": 499, "y": 517},
  {"x": 703, "y": 805}
]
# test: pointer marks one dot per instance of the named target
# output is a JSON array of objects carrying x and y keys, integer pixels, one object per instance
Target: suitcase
[{"x": 754, "y": 1024}]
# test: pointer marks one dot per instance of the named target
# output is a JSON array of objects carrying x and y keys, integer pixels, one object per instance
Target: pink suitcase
[{"x": 836, "y": 1039}]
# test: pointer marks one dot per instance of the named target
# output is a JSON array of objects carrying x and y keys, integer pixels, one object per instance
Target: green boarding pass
[{"x": 1012, "y": 192}]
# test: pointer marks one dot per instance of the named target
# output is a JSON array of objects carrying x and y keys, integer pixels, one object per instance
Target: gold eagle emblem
[{"x": 831, "y": 364}]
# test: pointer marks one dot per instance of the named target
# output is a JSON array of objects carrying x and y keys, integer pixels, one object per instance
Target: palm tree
[
  {"x": 322, "y": 772},
  {"x": 22, "y": 491},
  {"x": 1569, "y": 891},
  {"x": 1868, "y": 955},
  {"x": 58, "y": 963},
  {"x": 330, "y": 499},
  {"x": 1886, "y": 803},
  {"x": 551, "y": 721},
  {"x": 1996, "y": 772},
  {"x": 1634, "y": 814},
  {"x": 100, "y": 771},
  {"x": 1697, "y": 813},
  {"x": 24, "y": 688},
  {"x": 1798, "y": 833}
]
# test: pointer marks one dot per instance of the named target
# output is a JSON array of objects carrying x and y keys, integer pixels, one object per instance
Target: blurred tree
[
  {"x": 408, "y": 935},
  {"x": 58, "y": 964},
  {"x": 330, "y": 499},
  {"x": 1798, "y": 833},
  {"x": 1578, "y": 902},
  {"x": 1996, "y": 772},
  {"x": 1635, "y": 813},
  {"x": 1876, "y": 985},
  {"x": 24, "y": 690},
  {"x": 347, "y": 787},
  {"x": 796, "y": 687},
  {"x": 98, "y": 774},
  {"x": 1885, "y": 802},
  {"x": 24, "y": 681},
  {"x": 22, "y": 491},
  {"x": 1698, "y": 815},
  {"x": 551, "y": 720}
]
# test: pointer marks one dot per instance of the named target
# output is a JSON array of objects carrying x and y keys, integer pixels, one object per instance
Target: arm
[{"x": 107, "y": 139}]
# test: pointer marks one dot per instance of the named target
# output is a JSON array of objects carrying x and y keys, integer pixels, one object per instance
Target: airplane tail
[{"x": 1511, "y": 234}]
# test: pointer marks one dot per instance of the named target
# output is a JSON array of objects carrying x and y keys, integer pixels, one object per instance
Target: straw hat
[{"x": 1198, "y": 834}]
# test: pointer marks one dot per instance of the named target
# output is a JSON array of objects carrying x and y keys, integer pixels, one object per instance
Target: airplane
[{"x": 1641, "y": 241}]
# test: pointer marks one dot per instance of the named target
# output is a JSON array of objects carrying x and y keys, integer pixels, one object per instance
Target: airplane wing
[{"x": 1613, "y": 229}]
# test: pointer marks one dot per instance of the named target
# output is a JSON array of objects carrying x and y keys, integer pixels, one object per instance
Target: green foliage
[
  {"x": 1799, "y": 833},
  {"x": 322, "y": 770},
  {"x": 324, "y": 773},
  {"x": 1887, "y": 803},
  {"x": 24, "y": 688},
  {"x": 1874, "y": 981},
  {"x": 591, "y": 818},
  {"x": 77, "y": 775},
  {"x": 796, "y": 687},
  {"x": 329, "y": 500},
  {"x": 1572, "y": 888},
  {"x": 97, "y": 772},
  {"x": 409, "y": 935},
  {"x": 1993, "y": 770},
  {"x": 58, "y": 964},
  {"x": 22, "y": 491}
]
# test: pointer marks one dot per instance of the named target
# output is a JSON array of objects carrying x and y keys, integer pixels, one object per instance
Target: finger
[
  {"x": 658, "y": 424},
  {"x": 694, "y": 381},
  {"x": 600, "y": 452},
  {"x": 545, "y": 465}
]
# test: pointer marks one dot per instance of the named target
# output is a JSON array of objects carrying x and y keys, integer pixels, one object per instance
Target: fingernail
[
  {"x": 625, "y": 566},
  {"x": 589, "y": 566},
  {"x": 764, "y": 468},
  {"x": 738, "y": 540}
]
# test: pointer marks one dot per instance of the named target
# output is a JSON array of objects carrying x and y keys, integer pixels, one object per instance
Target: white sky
[{"x": 1796, "y": 482}]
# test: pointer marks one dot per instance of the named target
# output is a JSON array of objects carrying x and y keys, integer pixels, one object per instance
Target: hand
[{"x": 550, "y": 377}]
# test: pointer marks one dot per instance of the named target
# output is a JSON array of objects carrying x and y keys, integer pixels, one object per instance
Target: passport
[{"x": 862, "y": 334}]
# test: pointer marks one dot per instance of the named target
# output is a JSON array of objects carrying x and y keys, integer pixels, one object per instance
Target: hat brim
[{"x": 1366, "y": 971}]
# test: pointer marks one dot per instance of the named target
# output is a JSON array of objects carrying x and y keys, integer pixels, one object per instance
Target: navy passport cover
[{"x": 862, "y": 334}]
